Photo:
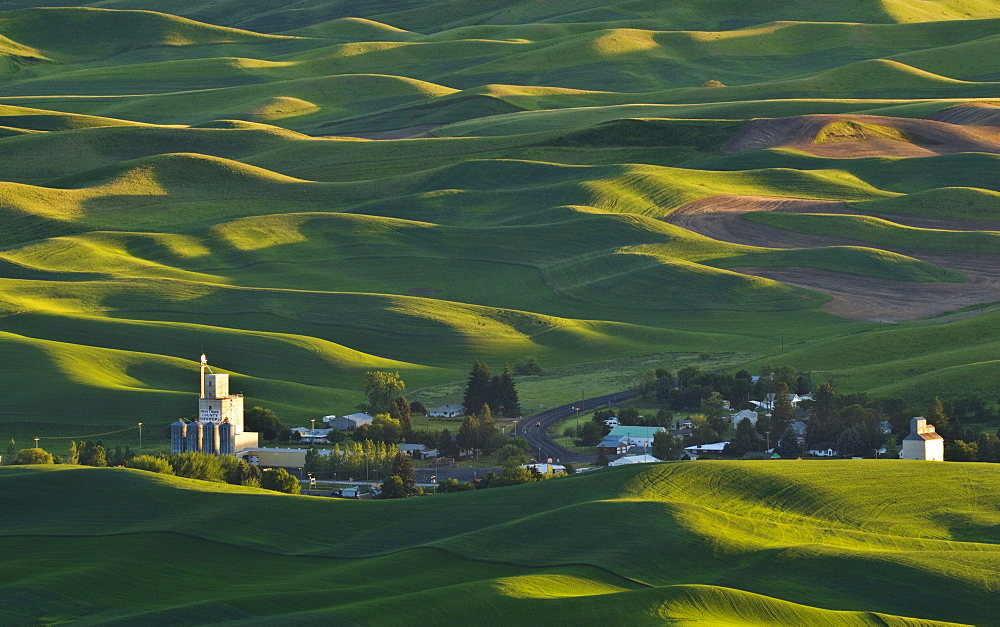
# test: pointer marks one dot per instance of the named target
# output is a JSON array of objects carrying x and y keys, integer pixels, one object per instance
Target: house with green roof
[{"x": 635, "y": 436}]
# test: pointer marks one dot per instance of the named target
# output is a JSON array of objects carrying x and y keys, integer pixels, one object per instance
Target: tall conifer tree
[{"x": 478, "y": 390}]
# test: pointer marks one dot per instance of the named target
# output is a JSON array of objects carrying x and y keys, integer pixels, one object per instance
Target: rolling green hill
[
  {"x": 307, "y": 193},
  {"x": 828, "y": 542}
]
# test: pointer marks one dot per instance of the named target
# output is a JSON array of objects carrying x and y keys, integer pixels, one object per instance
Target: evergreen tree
[
  {"x": 746, "y": 440},
  {"x": 891, "y": 449},
  {"x": 400, "y": 410},
  {"x": 446, "y": 445},
  {"x": 402, "y": 467},
  {"x": 602, "y": 458},
  {"x": 505, "y": 396},
  {"x": 478, "y": 390},
  {"x": 116, "y": 457},
  {"x": 788, "y": 446},
  {"x": 782, "y": 410},
  {"x": 938, "y": 417},
  {"x": 822, "y": 420}
]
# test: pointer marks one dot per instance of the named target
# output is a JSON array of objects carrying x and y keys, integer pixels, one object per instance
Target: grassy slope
[
  {"x": 815, "y": 547},
  {"x": 135, "y": 240}
]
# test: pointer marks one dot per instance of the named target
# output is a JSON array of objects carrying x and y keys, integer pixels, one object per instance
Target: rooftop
[{"x": 635, "y": 432}]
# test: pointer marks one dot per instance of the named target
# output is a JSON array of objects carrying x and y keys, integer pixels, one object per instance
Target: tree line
[{"x": 214, "y": 468}]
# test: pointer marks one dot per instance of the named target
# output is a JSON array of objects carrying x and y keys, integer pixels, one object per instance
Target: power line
[{"x": 82, "y": 437}]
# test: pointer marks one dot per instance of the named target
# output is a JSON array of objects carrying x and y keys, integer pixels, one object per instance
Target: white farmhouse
[
  {"x": 746, "y": 414},
  {"x": 923, "y": 442},
  {"x": 448, "y": 411}
]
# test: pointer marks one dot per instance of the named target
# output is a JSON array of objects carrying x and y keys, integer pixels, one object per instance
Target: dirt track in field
[{"x": 859, "y": 298}]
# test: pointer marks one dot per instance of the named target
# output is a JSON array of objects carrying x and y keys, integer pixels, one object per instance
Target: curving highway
[{"x": 535, "y": 429}]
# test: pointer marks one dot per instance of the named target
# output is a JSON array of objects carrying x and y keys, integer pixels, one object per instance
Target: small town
[
  {"x": 350, "y": 456},
  {"x": 521, "y": 312}
]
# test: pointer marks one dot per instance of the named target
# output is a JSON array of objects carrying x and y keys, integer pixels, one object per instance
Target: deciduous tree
[
  {"x": 279, "y": 480},
  {"x": 382, "y": 388},
  {"x": 400, "y": 410},
  {"x": 263, "y": 421},
  {"x": 197, "y": 466},
  {"x": 988, "y": 448},
  {"x": 393, "y": 488},
  {"x": 92, "y": 454},
  {"x": 666, "y": 446},
  {"x": 468, "y": 433},
  {"x": 961, "y": 451},
  {"x": 402, "y": 467}
]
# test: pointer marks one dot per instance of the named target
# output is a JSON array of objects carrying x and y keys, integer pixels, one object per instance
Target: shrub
[
  {"x": 150, "y": 464},
  {"x": 33, "y": 456},
  {"x": 197, "y": 466},
  {"x": 453, "y": 485},
  {"x": 528, "y": 366}
]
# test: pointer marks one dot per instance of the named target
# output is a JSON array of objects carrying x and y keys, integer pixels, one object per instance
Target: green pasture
[
  {"x": 178, "y": 179},
  {"x": 818, "y": 550},
  {"x": 916, "y": 360}
]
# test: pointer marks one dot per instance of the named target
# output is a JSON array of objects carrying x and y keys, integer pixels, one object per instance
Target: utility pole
[
  {"x": 140, "y": 436},
  {"x": 36, "y": 442}
]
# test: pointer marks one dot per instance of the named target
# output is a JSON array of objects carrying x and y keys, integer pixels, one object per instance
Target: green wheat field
[
  {"x": 307, "y": 191},
  {"x": 794, "y": 543}
]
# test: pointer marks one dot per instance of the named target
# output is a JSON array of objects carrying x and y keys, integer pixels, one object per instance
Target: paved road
[
  {"x": 463, "y": 473},
  {"x": 540, "y": 444}
]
